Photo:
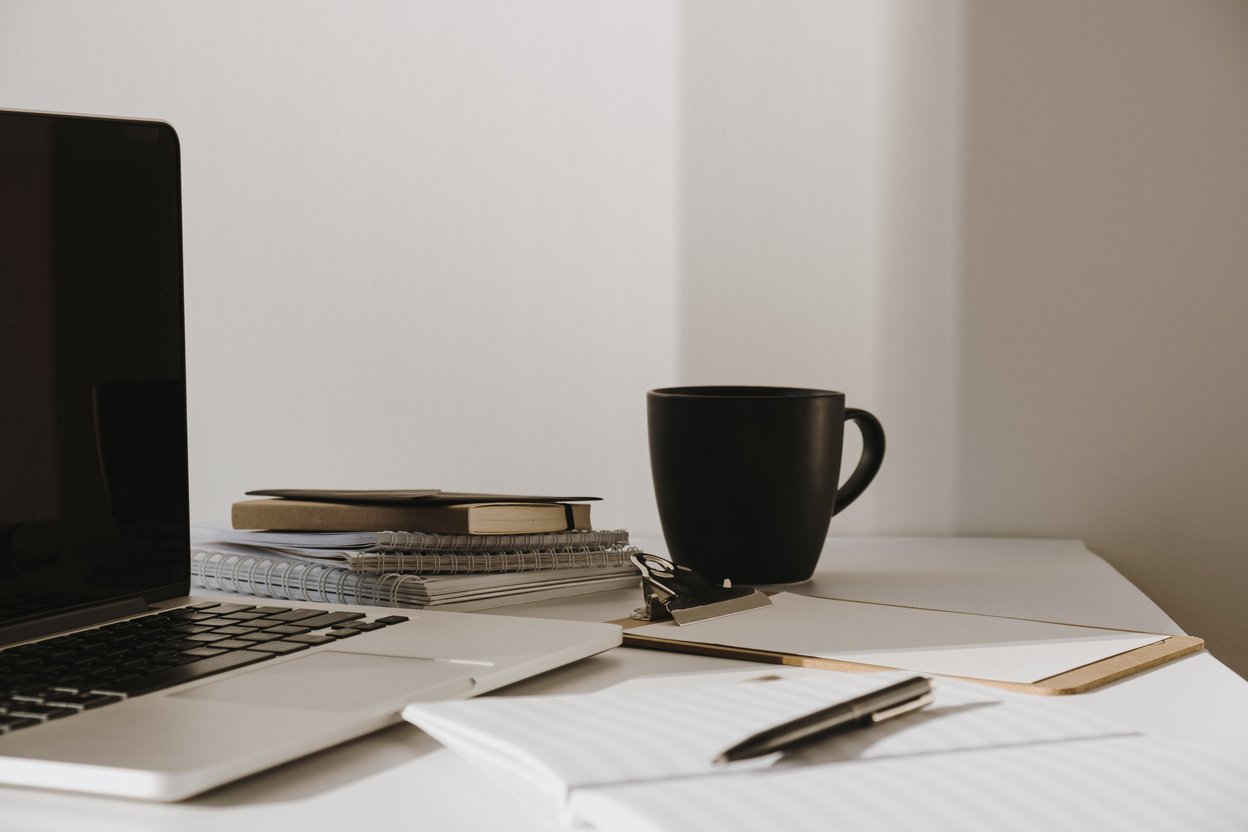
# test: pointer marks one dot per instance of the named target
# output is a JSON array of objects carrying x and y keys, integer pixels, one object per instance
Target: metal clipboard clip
[{"x": 679, "y": 593}]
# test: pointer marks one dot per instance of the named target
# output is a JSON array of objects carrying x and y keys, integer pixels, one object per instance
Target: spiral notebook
[
  {"x": 444, "y": 563},
  {"x": 271, "y": 576},
  {"x": 385, "y": 541},
  {"x": 422, "y": 553}
]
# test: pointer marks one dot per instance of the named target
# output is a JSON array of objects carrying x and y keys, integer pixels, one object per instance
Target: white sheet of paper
[
  {"x": 928, "y": 641},
  {"x": 1119, "y": 783},
  {"x": 562, "y": 743}
]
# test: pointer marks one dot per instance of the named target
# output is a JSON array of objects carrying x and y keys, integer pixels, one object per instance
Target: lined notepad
[
  {"x": 563, "y": 743},
  {"x": 1125, "y": 783},
  {"x": 639, "y": 759}
]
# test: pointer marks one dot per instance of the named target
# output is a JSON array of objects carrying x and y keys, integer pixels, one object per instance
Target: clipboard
[{"x": 1077, "y": 680}]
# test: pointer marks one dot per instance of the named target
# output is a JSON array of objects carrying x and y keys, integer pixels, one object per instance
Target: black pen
[{"x": 905, "y": 696}]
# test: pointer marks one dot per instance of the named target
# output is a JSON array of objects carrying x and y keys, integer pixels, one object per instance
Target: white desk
[{"x": 399, "y": 778}]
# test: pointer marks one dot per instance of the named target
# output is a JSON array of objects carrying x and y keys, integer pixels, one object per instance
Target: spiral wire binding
[
  {"x": 300, "y": 581},
  {"x": 476, "y": 562},
  {"x": 539, "y": 542},
  {"x": 297, "y": 580}
]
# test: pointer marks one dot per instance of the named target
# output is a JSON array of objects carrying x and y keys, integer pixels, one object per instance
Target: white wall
[
  {"x": 777, "y": 175},
  {"x": 427, "y": 244},
  {"x": 1018, "y": 232},
  {"x": 819, "y": 167},
  {"x": 452, "y": 244},
  {"x": 1105, "y": 292}
]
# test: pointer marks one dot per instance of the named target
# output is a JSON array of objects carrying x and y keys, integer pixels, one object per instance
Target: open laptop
[{"x": 112, "y": 680}]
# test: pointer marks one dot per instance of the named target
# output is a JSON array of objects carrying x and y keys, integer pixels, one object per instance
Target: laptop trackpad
[{"x": 330, "y": 681}]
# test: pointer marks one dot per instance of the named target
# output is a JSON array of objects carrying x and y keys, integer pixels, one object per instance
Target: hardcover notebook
[
  {"x": 112, "y": 679},
  {"x": 425, "y": 496},
  {"x": 456, "y": 518}
]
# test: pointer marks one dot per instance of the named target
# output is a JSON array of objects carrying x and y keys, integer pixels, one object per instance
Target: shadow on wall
[
  {"x": 1018, "y": 233},
  {"x": 1105, "y": 284}
]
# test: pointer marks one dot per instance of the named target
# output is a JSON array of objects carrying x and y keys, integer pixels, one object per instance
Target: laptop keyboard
[{"x": 66, "y": 675}]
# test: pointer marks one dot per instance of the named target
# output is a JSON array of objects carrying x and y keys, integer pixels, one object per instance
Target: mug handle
[{"x": 870, "y": 461}]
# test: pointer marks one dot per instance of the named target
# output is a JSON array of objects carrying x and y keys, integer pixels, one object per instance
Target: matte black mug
[{"x": 746, "y": 477}]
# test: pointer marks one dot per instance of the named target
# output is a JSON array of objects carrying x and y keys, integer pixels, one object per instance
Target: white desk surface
[{"x": 400, "y": 778}]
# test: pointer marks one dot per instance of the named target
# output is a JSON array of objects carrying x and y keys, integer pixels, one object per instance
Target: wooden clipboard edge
[
  {"x": 1111, "y": 669},
  {"x": 1078, "y": 680}
]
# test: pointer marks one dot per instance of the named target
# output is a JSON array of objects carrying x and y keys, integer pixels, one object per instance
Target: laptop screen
[{"x": 93, "y": 471}]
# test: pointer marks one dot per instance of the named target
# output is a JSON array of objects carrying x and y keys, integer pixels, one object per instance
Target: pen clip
[{"x": 920, "y": 701}]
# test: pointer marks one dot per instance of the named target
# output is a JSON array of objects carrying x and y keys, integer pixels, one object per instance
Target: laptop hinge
[{"x": 72, "y": 620}]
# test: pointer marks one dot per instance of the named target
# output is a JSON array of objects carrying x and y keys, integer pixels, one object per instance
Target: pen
[{"x": 905, "y": 696}]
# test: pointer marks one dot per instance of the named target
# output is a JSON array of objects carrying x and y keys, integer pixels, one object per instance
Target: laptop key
[
  {"x": 231, "y": 631},
  {"x": 189, "y": 628},
  {"x": 253, "y": 626},
  {"x": 310, "y": 638},
  {"x": 288, "y": 629},
  {"x": 392, "y": 619},
  {"x": 257, "y": 638},
  {"x": 13, "y": 723},
  {"x": 329, "y": 619},
  {"x": 189, "y": 656},
  {"x": 222, "y": 609},
  {"x": 169, "y": 677},
  {"x": 279, "y": 648},
  {"x": 19, "y": 684},
  {"x": 216, "y": 622},
  {"x": 295, "y": 615},
  {"x": 244, "y": 616},
  {"x": 30, "y": 710},
  {"x": 184, "y": 615},
  {"x": 82, "y": 701},
  {"x": 206, "y": 638},
  {"x": 342, "y": 632}
]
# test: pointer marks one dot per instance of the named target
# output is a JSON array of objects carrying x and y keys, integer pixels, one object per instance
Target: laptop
[{"x": 112, "y": 679}]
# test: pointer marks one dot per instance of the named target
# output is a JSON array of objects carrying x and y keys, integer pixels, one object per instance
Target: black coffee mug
[{"x": 746, "y": 477}]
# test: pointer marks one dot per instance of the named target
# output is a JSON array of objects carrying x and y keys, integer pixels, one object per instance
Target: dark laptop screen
[{"x": 93, "y": 475}]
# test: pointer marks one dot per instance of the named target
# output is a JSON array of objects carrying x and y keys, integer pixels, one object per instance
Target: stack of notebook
[{"x": 446, "y": 550}]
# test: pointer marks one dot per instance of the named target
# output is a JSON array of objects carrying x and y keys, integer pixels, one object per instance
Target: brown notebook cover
[
  {"x": 427, "y": 496},
  {"x": 474, "y": 518}
]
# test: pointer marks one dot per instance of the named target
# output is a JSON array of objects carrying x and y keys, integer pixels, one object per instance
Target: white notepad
[
  {"x": 927, "y": 641},
  {"x": 638, "y": 758},
  {"x": 561, "y": 744},
  {"x": 1122, "y": 784}
]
